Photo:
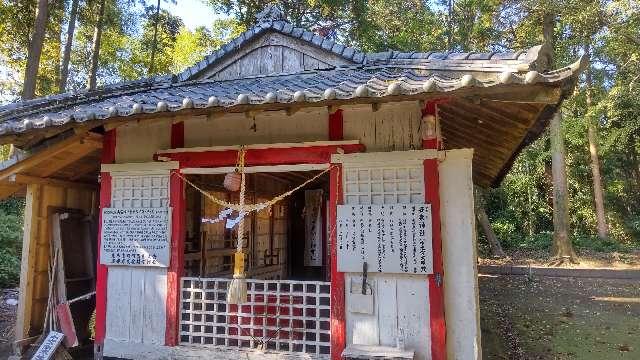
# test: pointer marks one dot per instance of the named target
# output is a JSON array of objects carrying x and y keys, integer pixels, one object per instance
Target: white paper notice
[
  {"x": 389, "y": 238},
  {"x": 135, "y": 236}
]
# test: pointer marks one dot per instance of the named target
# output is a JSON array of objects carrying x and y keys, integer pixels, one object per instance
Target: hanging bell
[{"x": 232, "y": 181}]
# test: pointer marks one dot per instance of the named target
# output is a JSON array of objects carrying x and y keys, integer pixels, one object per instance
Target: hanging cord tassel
[{"x": 237, "y": 293}]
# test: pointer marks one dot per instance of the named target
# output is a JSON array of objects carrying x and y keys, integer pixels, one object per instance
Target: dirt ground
[
  {"x": 588, "y": 259},
  {"x": 7, "y": 320},
  {"x": 559, "y": 318},
  {"x": 521, "y": 318}
]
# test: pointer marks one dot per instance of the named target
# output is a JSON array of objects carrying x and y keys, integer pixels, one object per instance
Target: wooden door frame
[{"x": 259, "y": 156}]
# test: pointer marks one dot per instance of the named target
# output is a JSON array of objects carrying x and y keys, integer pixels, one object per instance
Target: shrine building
[{"x": 347, "y": 176}]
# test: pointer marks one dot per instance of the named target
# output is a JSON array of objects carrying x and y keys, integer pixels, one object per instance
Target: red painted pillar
[
  {"x": 336, "y": 127},
  {"x": 432, "y": 196},
  {"x": 176, "y": 262},
  {"x": 177, "y": 135},
  {"x": 108, "y": 157},
  {"x": 338, "y": 324}
]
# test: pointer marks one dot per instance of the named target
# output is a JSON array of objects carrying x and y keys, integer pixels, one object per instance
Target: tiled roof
[
  {"x": 368, "y": 75},
  {"x": 166, "y": 94},
  {"x": 355, "y": 56}
]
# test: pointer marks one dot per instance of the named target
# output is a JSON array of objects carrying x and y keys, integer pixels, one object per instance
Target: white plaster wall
[
  {"x": 462, "y": 311},
  {"x": 138, "y": 142},
  {"x": 267, "y": 127}
]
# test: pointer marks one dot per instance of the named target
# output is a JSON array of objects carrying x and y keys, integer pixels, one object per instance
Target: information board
[
  {"x": 48, "y": 347},
  {"x": 390, "y": 238},
  {"x": 135, "y": 236}
]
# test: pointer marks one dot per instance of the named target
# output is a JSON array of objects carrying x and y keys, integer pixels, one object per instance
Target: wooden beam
[
  {"x": 271, "y": 156},
  {"x": 257, "y": 169},
  {"x": 259, "y": 146},
  {"x": 91, "y": 139},
  {"x": 27, "y": 179},
  {"x": 523, "y": 94},
  {"x": 27, "y": 267},
  {"x": 488, "y": 111}
]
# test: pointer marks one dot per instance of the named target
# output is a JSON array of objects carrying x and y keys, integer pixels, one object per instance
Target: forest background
[{"x": 88, "y": 43}]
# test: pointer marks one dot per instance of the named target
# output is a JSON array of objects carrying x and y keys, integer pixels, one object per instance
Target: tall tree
[
  {"x": 592, "y": 128},
  {"x": 95, "y": 53},
  {"x": 35, "y": 50},
  {"x": 66, "y": 56},
  {"x": 154, "y": 43},
  {"x": 562, "y": 248},
  {"x": 485, "y": 223}
]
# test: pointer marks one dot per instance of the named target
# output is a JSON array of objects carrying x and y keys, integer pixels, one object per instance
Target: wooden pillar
[
  {"x": 336, "y": 125},
  {"x": 177, "y": 135},
  {"x": 176, "y": 264},
  {"x": 431, "y": 140},
  {"x": 108, "y": 157},
  {"x": 28, "y": 266},
  {"x": 338, "y": 323}
]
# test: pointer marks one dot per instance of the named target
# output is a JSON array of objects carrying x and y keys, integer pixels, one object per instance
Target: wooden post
[
  {"x": 338, "y": 323},
  {"x": 336, "y": 124},
  {"x": 437, "y": 323},
  {"x": 174, "y": 273},
  {"x": 108, "y": 157},
  {"x": 29, "y": 245},
  {"x": 176, "y": 264},
  {"x": 177, "y": 135}
]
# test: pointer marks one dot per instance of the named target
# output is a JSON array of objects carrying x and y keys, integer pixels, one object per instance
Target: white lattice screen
[
  {"x": 140, "y": 191},
  {"x": 384, "y": 185},
  {"x": 281, "y": 315}
]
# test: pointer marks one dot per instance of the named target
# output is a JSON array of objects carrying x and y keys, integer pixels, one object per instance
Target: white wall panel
[
  {"x": 462, "y": 311},
  {"x": 136, "y": 295},
  {"x": 400, "y": 301}
]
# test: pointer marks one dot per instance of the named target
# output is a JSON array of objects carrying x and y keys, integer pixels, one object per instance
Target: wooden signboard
[
  {"x": 135, "y": 236},
  {"x": 48, "y": 347},
  {"x": 389, "y": 238}
]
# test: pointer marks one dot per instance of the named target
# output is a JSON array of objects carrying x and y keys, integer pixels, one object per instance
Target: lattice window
[
  {"x": 384, "y": 185},
  {"x": 140, "y": 191},
  {"x": 280, "y": 315}
]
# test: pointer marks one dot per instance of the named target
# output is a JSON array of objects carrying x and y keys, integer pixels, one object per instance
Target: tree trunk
[
  {"x": 66, "y": 56},
  {"x": 485, "y": 223},
  {"x": 598, "y": 193},
  {"x": 450, "y": 25},
  {"x": 35, "y": 50},
  {"x": 562, "y": 248},
  {"x": 154, "y": 45},
  {"x": 95, "y": 55}
]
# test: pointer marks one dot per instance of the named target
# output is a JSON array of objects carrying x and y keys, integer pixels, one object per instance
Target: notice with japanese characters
[
  {"x": 392, "y": 238},
  {"x": 48, "y": 346},
  {"x": 135, "y": 236}
]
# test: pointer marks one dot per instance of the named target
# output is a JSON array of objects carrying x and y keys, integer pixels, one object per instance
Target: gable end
[{"x": 275, "y": 53}]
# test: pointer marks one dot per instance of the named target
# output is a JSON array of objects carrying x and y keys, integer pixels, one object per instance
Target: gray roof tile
[{"x": 410, "y": 72}]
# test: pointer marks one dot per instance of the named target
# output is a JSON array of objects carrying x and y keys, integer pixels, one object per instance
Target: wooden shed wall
[
  {"x": 393, "y": 127},
  {"x": 34, "y": 284},
  {"x": 309, "y": 124}
]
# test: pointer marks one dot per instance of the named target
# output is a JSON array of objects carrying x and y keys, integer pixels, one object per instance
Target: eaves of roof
[{"x": 163, "y": 95}]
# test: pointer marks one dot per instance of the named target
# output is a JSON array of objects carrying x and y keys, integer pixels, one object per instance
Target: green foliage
[
  {"x": 521, "y": 208},
  {"x": 11, "y": 215}
]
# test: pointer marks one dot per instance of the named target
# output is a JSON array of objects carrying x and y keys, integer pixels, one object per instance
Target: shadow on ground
[{"x": 559, "y": 318}]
